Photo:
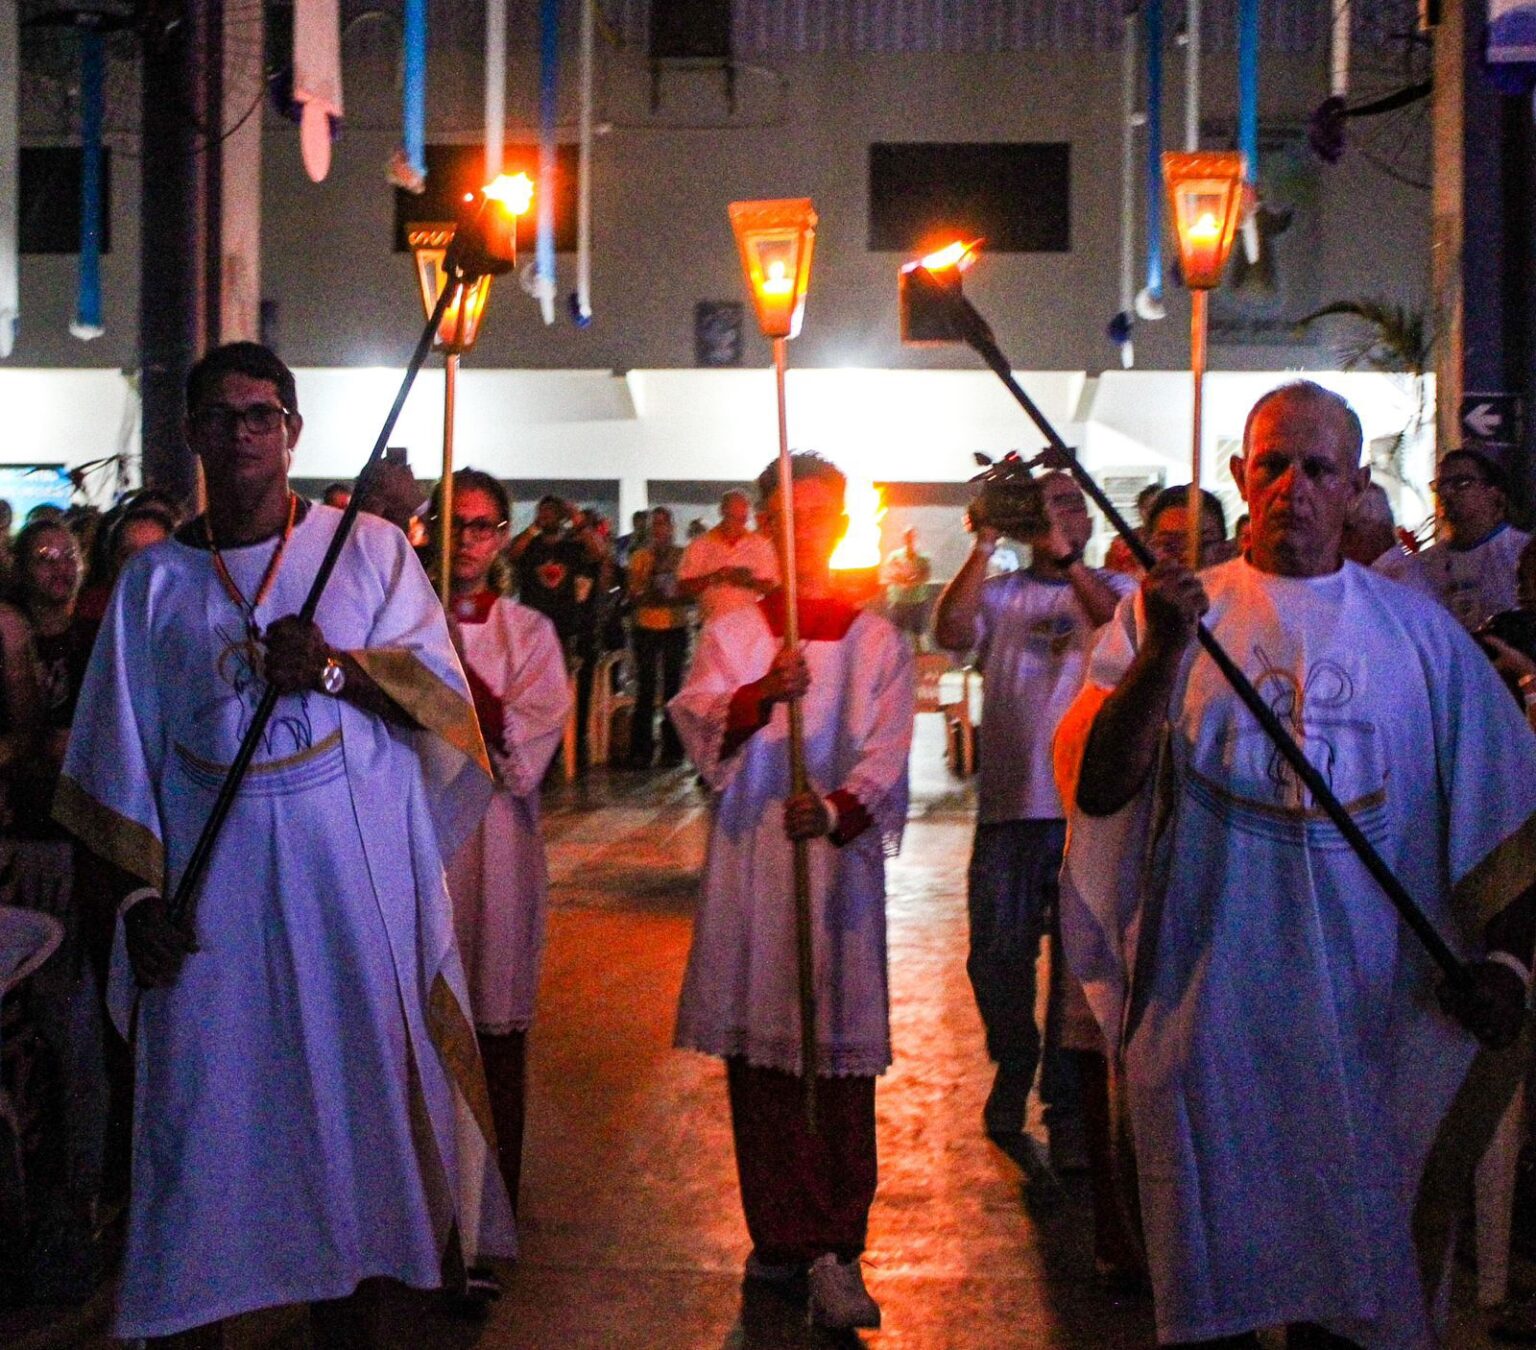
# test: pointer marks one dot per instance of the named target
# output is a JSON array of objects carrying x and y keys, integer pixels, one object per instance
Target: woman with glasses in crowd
[{"x": 499, "y": 880}]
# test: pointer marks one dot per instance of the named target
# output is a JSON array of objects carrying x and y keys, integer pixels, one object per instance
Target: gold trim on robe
[
  {"x": 454, "y": 1038},
  {"x": 1501, "y": 878},
  {"x": 1498, "y": 880},
  {"x": 130, "y": 845},
  {"x": 434, "y": 705}
]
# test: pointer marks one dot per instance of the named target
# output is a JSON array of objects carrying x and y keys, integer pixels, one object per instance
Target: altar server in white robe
[
  {"x": 1285, "y": 1060},
  {"x": 499, "y": 879},
  {"x": 806, "y": 1196},
  {"x": 309, "y": 1105}
]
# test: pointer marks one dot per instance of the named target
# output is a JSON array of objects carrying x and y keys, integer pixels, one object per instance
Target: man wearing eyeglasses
[
  {"x": 1471, "y": 570},
  {"x": 305, "y": 1066}
]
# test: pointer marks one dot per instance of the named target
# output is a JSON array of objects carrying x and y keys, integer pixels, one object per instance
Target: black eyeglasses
[
  {"x": 478, "y": 531},
  {"x": 260, "y": 419},
  {"x": 1457, "y": 482},
  {"x": 55, "y": 553}
]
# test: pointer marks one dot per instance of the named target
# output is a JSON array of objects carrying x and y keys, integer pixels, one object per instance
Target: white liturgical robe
[
  {"x": 740, "y": 994},
  {"x": 1285, "y": 1061},
  {"x": 309, "y": 1105},
  {"x": 499, "y": 879}
]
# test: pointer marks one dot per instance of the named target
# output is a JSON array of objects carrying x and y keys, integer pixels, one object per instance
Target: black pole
[
  {"x": 970, "y": 328},
  {"x": 173, "y": 219},
  {"x": 183, "y": 908}
]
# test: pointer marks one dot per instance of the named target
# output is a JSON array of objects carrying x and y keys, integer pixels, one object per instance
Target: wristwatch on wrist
[{"x": 333, "y": 679}]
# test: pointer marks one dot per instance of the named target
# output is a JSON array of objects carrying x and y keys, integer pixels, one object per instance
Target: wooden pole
[
  {"x": 805, "y": 947},
  {"x": 1193, "y": 511},
  {"x": 445, "y": 484}
]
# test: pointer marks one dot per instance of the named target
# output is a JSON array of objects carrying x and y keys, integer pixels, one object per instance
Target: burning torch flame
[
  {"x": 959, "y": 254},
  {"x": 778, "y": 281},
  {"x": 514, "y": 192},
  {"x": 860, "y": 547}
]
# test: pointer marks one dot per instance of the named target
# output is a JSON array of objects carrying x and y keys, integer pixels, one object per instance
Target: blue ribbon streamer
[
  {"x": 88, "y": 322},
  {"x": 1154, "y": 16},
  {"x": 1248, "y": 84},
  {"x": 549, "y": 70},
  {"x": 415, "y": 109}
]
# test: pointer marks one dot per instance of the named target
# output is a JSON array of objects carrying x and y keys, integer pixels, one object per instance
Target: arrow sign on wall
[{"x": 1491, "y": 418}]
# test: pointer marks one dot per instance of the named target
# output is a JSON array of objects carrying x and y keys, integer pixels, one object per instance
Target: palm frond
[{"x": 1384, "y": 336}]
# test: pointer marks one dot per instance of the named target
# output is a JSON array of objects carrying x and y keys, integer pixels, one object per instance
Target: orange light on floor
[
  {"x": 775, "y": 239},
  {"x": 860, "y": 546}
]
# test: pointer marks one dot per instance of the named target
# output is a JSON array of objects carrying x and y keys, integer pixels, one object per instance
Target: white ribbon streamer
[
  {"x": 317, "y": 79},
  {"x": 495, "y": 86},
  {"x": 10, "y": 174}
]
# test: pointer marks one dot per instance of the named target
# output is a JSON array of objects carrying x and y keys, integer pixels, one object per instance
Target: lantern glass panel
[{"x": 775, "y": 239}]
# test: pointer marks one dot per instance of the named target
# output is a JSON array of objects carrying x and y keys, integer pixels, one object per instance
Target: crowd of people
[{"x": 316, "y": 1076}]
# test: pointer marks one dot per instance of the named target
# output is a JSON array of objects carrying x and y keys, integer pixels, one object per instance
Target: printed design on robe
[
  {"x": 289, "y": 759},
  {"x": 1052, "y": 636},
  {"x": 550, "y": 575},
  {"x": 1236, "y": 772}
]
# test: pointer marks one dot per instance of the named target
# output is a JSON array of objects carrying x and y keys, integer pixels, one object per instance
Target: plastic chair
[
  {"x": 960, "y": 726},
  {"x": 612, "y": 668}
]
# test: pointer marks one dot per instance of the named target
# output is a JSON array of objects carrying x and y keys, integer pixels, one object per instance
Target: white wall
[{"x": 911, "y": 426}]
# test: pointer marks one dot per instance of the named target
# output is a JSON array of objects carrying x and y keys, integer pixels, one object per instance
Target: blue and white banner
[
  {"x": 414, "y": 111},
  {"x": 543, "y": 286},
  {"x": 93, "y": 79}
]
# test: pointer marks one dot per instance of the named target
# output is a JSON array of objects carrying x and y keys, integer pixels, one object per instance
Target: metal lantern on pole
[
  {"x": 499, "y": 205},
  {"x": 775, "y": 239},
  {"x": 1205, "y": 199}
]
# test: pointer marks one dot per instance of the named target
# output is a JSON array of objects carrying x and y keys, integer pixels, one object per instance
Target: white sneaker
[{"x": 838, "y": 1296}]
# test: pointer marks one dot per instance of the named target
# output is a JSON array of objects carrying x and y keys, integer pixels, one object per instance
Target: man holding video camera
[{"x": 1032, "y": 630}]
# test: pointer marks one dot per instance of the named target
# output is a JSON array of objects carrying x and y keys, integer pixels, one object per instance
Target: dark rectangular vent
[
  {"x": 1016, "y": 196},
  {"x": 690, "y": 30}
]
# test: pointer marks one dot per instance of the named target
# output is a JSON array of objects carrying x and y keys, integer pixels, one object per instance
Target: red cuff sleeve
[
  {"x": 852, "y": 818},
  {"x": 749, "y": 713}
]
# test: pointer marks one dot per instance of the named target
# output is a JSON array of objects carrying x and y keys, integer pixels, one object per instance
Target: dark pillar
[
  {"x": 178, "y": 230},
  {"x": 1484, "y": 242}
]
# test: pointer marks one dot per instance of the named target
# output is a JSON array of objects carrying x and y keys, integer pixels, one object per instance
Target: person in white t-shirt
[
  {"x": 1471, "y": 571},
  {"x": 1033, "y": 630},
  {"x": 729, "y": 566}
]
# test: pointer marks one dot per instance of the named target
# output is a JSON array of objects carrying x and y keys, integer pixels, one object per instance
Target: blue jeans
[{"x": 1012, "y": 902}]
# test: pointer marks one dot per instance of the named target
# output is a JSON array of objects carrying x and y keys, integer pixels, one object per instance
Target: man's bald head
[
  {"x": 1307, "y": 394},
  {"x": 1300, "y": 474}
]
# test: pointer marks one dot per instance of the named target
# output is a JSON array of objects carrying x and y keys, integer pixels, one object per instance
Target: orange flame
[
  {"x": 958, "y": 254},
  {"x": 778, "y": 281},
  {"x": 860, "y": 546},
  {"x": 1205, "y": 230},
  {"x": 513, "y": 191}
]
